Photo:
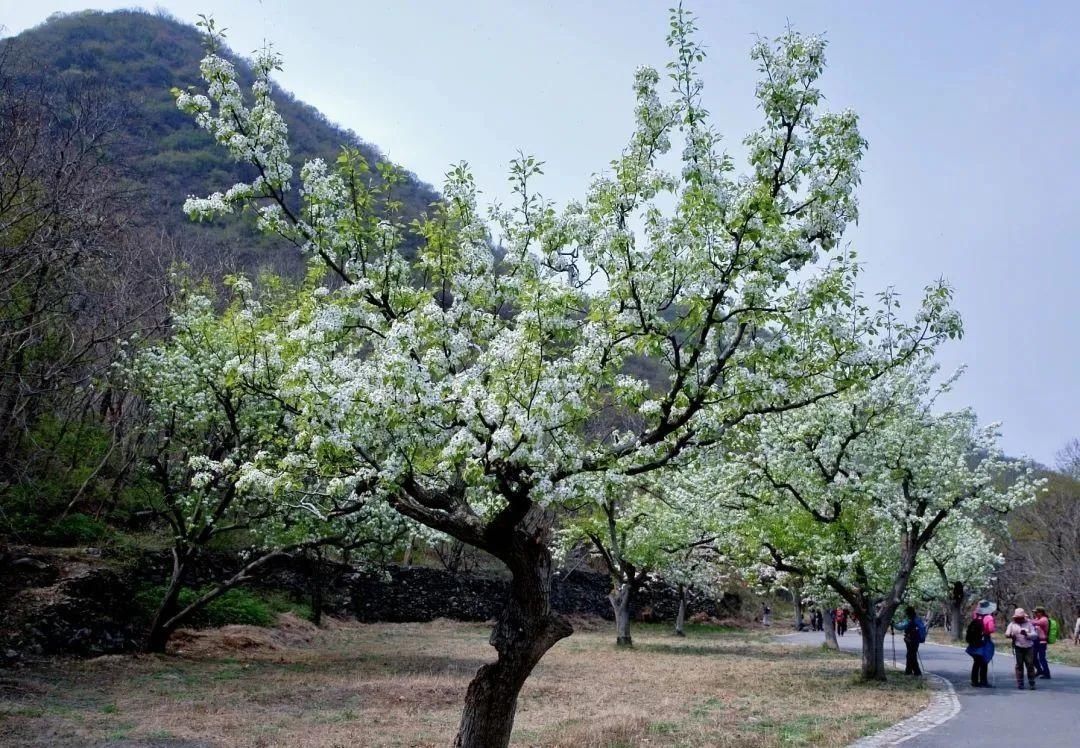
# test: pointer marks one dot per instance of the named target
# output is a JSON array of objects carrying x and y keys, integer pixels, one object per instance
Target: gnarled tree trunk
[
  {"x": 621, "y": 598},
  {"x": 873, "y": 646},
  {"x": 526, "y": 629}
]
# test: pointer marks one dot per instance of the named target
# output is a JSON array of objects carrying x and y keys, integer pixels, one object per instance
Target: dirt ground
[{"x": 402, "y": 685}]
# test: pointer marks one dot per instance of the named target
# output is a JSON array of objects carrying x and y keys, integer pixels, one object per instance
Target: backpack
[
  {"x": 1055, "y": 631},
  {"x": 974, "y": 633},
  {"x": 920, "y": 627}
]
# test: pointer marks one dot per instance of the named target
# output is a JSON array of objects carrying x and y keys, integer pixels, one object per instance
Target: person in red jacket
[
  {"x": 841, "y": 621},
  {"x": 1042, "y": 623}
]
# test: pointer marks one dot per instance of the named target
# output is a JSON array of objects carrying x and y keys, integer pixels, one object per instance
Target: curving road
[{"x": 1048, "y": 717}]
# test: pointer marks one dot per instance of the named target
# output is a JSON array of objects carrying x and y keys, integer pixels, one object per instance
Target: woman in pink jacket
[{"x": 1042, "y": 623}]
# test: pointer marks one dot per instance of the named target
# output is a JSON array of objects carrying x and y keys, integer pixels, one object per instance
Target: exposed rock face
[{"x": 70, "y": 603}]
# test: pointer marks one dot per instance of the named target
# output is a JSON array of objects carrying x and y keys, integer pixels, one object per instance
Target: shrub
[{"x": 237, "y": 606}]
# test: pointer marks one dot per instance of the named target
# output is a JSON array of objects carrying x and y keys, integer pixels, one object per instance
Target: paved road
[{"x": 1003, "y": 716}]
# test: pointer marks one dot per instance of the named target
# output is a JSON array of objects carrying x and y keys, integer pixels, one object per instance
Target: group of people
[
  {"x": 817, "y": 620},
  {"x": 1029, "y": 636}
]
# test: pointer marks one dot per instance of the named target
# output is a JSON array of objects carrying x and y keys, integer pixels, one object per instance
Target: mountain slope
[{"x": 129, "y": 61}]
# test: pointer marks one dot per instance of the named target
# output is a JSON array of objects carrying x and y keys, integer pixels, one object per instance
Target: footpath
[{"x": 1003, "y": 715}]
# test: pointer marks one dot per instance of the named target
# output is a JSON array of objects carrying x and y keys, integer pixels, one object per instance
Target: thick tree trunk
[
  {"x": 620, "y": 598},
  {"x": 829, "y": 620},
  {"x": 680, "y": 617},
  {"x": 797, "y": 597},
  {"x": 873, "y": 646},
  {"x": 956, "y": 611},
  {"x": 525, "y": 630}
]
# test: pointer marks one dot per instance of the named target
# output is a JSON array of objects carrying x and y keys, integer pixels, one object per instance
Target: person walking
[
  {"x": 914, "y": 634},
  {"x": 1023, "y": 634},
  {"x": 1042, "y": 622},
  {"x": 1076, "y": 629},
  {"x": 841, "y": 621},
  {"x": 980, "y": 642}
]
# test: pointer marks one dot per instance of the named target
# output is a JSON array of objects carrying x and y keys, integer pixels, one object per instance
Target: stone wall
[{"x": 79, "y": 602}]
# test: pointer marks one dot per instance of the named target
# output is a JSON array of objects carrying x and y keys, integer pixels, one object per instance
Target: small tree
[
  {"x": 638, "y": 531},
  {"x": 211, "y": 413},
  {"x": 458, "y": 382},
  {"x": 958, "y": 564},
  {"x": 851, "y": 492}
]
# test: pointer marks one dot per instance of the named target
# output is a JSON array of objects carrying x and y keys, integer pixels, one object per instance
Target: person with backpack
[
  {"x": 914, "y": 629},
  {"x": 980, "y": 642},
  {"x": 1024, "y": 635},
  {"x": 1042, "y": 623}
]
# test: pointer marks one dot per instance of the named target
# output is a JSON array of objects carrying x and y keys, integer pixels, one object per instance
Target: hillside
[{"x": 128, "y": 61}]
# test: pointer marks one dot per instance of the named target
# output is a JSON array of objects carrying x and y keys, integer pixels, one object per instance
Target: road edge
[{"x": 944, "y": 705}]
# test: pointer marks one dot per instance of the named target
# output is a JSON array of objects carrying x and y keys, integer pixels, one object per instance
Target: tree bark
[
  {"x": 680, "y": 617},
  {"x": 525, "y": 630},
  {"x": 829, "y": 619},
  {"x": 797, "y": 597},
  {"x": 873, "y": 646},
  {"x": 160, "y": 630},
  {"x": 956, "y": 611},
  {"x": 620, "y": 598}
]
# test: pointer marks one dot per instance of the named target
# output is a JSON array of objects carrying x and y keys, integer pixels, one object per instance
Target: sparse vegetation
[{"x": 354, "y": 684}]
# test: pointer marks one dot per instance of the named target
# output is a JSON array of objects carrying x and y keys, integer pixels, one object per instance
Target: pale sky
[{"x": 972, "y": 111}]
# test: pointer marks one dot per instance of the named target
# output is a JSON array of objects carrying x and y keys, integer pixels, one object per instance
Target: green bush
[
  {"x": 238, "y": 605},
  {"x": 75, "y": 529}
]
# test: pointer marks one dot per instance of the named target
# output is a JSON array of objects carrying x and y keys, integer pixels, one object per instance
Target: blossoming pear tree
[
  {"x": 456, "y": 374},
  {"x": 851, "y": 491},
  {"x": 638, "y": 530},
  {"x": 959, "y": 563},
  {"x": 211, "y": 412}
]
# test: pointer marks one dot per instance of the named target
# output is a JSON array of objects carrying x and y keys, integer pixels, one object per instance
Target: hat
[
  {"x": 986, "y": 608},
  {"x": 1019, "y": 613},
  {"x": 1040, "y": 609}
]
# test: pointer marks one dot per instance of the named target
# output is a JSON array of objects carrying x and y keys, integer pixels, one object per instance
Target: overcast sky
[{"x": 972, "y": 111}]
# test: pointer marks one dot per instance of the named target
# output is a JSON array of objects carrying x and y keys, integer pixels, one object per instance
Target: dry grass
[
  {"x": 403, "y": 684},
  {"x": 1063, "y": 651}
]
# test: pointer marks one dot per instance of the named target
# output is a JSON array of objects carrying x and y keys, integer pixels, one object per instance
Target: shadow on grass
[{"x": 733, "y": 649}]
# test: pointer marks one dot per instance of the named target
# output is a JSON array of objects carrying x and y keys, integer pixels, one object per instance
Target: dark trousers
[
  {"x": 911, "y": 666},
  {"x": 979, "y": 670},
  {"x": 1025, "y": 658},
  {"x": 1042, "y": 667}
]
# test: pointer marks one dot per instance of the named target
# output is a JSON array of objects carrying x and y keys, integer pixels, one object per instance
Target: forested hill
[{"x": 127, "y": 62}]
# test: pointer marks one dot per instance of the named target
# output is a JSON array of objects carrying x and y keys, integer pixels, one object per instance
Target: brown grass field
[{"x": 402, "y": 685}]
